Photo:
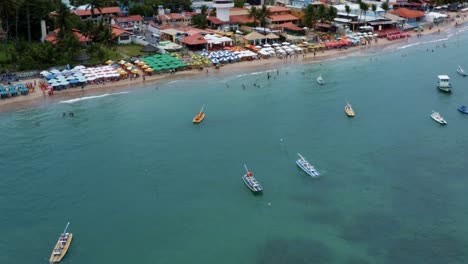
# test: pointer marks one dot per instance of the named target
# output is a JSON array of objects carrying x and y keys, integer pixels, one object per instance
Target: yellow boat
[
  {"x": 62, "y": 246},
  {"x": 349, "y": 110},
  {"x": 199, "y": 117}
]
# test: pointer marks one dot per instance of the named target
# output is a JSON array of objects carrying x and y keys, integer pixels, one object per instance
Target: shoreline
[{"x": 37, "y": 98}]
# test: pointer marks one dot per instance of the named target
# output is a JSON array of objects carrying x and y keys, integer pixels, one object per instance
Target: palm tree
[
  {"x": 363, "y": 7},
  {"x": 263, "y": 14},
  {"x": 253, "y": 13},
  {"x": 374, "y": 9},
  {"x": 347, "y": 9},
  {"x": 95, "y": 4},
  {"x": 310, "y": 16},
  {"x": 321, "y": 12},
  {"x": 331, "y": 13},
  {"x": 63, "y": 20},
  {"x": 199, "y": 20},
  {"x": 385, "y": 7}
]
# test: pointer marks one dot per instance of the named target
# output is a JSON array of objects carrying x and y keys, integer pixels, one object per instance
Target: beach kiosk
[{"x": 444, "y": 83}]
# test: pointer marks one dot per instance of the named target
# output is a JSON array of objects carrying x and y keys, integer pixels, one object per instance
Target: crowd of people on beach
[{"x": 8, "y": 78}]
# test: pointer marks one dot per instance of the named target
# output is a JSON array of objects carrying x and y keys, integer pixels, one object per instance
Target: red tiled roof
[
  {"x": 241, "y": 19},
  {"x": 282, "y": 17},
  {"x": 129, "y": 18},
  {"x": 276, "y": 9},
  {"x": 216, "y": 21},
  {"x": 407, "y": 13},
  {"x": 237, "y": 9},
  {"x": 195, "y": 39},
  {"x": 52, "y": 36},
  {"x": 104, "y": 10},
  {"x": 117, "y": 31},
  {"x": 290, "y": 26}
]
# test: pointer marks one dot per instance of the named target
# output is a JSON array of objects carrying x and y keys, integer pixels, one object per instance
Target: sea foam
[{"x": 71, "y": 101}]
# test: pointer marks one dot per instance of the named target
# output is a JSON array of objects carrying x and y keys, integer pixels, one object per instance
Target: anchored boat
[
  {"x": 200, "y": 116},
  {"x": 461, "y": 71},
  {"x": 62, "y": 246},
  {"x": 349, "y": 110},
  {"x": 320, "y": 80},
  {"x": 438, "y": 118},
  {"x": 251, "y": 182},
  {"x": 444, "y": 83},
  {"x": 463, "y": 109},
  {"x": 305, "y": 166}
]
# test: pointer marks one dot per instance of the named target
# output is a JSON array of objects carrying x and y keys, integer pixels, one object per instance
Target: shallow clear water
[{"x": 140, "y": 183}]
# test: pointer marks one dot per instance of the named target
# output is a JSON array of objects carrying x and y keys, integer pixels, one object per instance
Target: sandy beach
[{"x": 37, "y": 98}]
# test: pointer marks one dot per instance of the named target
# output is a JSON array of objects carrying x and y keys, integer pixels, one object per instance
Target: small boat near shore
[
  {"x": 320, "y": 80},
  {"x": 461, "y": 71},
  {"x": 305, "y": 166},
  {"x": 444, "y": 83},
  {"x": 251, "y": 182},
  {"x": 200, "y": 116},
  {"x": 62, "y": 246},
  {"x": 438, "y": 118},
  {"x": 349, "y": 110},
  {"x": 463, "y": 109}
]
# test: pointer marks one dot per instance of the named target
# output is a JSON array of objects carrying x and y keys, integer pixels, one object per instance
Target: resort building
[
  {"x": 120, "y": 35},
  {"x": 106, "y": 14},
  {"x": 280, "y": 15},
  {"x": 175, "y": 19},
  {"x": 412, "y": 17},
  {"x": 129, "y": 23}
]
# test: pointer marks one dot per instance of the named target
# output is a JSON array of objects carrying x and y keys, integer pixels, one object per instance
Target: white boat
[
  {"x": 438, "y": 118},
  {"x": 62, "y": 246},
  {"x": 251, "y": 182},
  {"x": 320, "y": 80},
  {"x": 305, "y": 166},
  {"x": 461, "y": 71},
  {"x": 444, "y": 83}
]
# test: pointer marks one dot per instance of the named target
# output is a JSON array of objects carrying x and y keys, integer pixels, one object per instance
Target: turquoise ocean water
[{"x": 141, "y": 184}]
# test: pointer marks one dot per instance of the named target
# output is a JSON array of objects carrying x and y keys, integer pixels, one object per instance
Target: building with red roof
[
  {"x": 52, "y": 37},
  {"x": 129, "y": 23},
  {"x": 410, "y": 15},
  {"x": 280, "y": 15},
  {"x": 194, "y": 40},
  {"x": 105, "y": 13},
  {"x": 120, "y": 35}
]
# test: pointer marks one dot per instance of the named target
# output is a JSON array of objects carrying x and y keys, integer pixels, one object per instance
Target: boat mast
[
  {"x": 247, "y": 170},
  {"x": 201, "y": 110},
  {"x": 65, "y": 231},
  {"x": 300, "y": 156}
]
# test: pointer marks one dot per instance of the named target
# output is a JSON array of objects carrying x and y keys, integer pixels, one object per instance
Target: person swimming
[
  {"x": 64, "y": 114},
  {"x": 71, "y": 114}
]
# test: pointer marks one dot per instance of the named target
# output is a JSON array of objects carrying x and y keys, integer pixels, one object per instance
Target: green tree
[
  {"x": 253, "y": 13},
  {"x": 63, "y": 20},
  {"x": 321, "y": 12},
  {"x": 347, "y": 9},
  {"x": 310, "y": 17},
  {"x": 199, "y": 20},
  {"x": 331, "y": 13},
  {"x": 374, "y": 9},
  {"x": 385, "y": 7},
  {"x": 263, "y": 14},
  {"x": 142, "y": 10},
  {"x": 239, "y": 3},
  {"x": 363, "y": 7}
]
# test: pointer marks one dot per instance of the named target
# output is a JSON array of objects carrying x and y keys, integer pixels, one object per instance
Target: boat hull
[
  {"x": 349, "y": 112},
  {"x": 463, "y": 109},
  {"x": 311, "y": 173},
  {"x": 255, "y": 189},
  {"x": 462, "y": 73},
  {"x": 442, "y": 122},
  {"x": 198, "y": 119},
  {"x": 447, "y": 89},
  {"x": 58, "y": 258}
]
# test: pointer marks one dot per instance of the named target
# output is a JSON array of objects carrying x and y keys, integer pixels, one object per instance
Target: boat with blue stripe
[
  {"x": 305, "y": 166},
  {"x": 251, "y": 182}
]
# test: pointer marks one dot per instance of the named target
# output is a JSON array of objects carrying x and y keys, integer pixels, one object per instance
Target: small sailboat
[
  {"x": 444, "y": 83},
  {"x": 200, "y": 116},
  {"x": 62, "y": 246},
  {"x": 349, "y": 110},
  {"x": 461, "y": 71},
  {"x": 305, "y": 166},
  {"x": 438, "y": 118},
  {"x": 320, "y": 80},
  {"x": 463, "y": 109},
  {"x": 251, "y": 182}
]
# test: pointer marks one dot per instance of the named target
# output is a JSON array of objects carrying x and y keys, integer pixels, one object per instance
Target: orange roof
[
  {"x": 129, "y": 18},
  {"x": 282, "y": 17},
  {"x": 52, "y": 36},
  {"x": 407, "y": 13},
  {"x": 216, "y": 21},
  {"x": 237, "y": 9},
  {"x": 290, "y": 26},
  {"x": 242, "y": 19},
  {"x": 276, "y": 9},
  {"x": 104, "y": 10},
  {"x": 117, "y": 31},
  {"x": 195, "y": 39}
]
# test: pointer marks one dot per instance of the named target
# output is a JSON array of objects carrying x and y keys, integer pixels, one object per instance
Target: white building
[{"x": 222, "y": 9}]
